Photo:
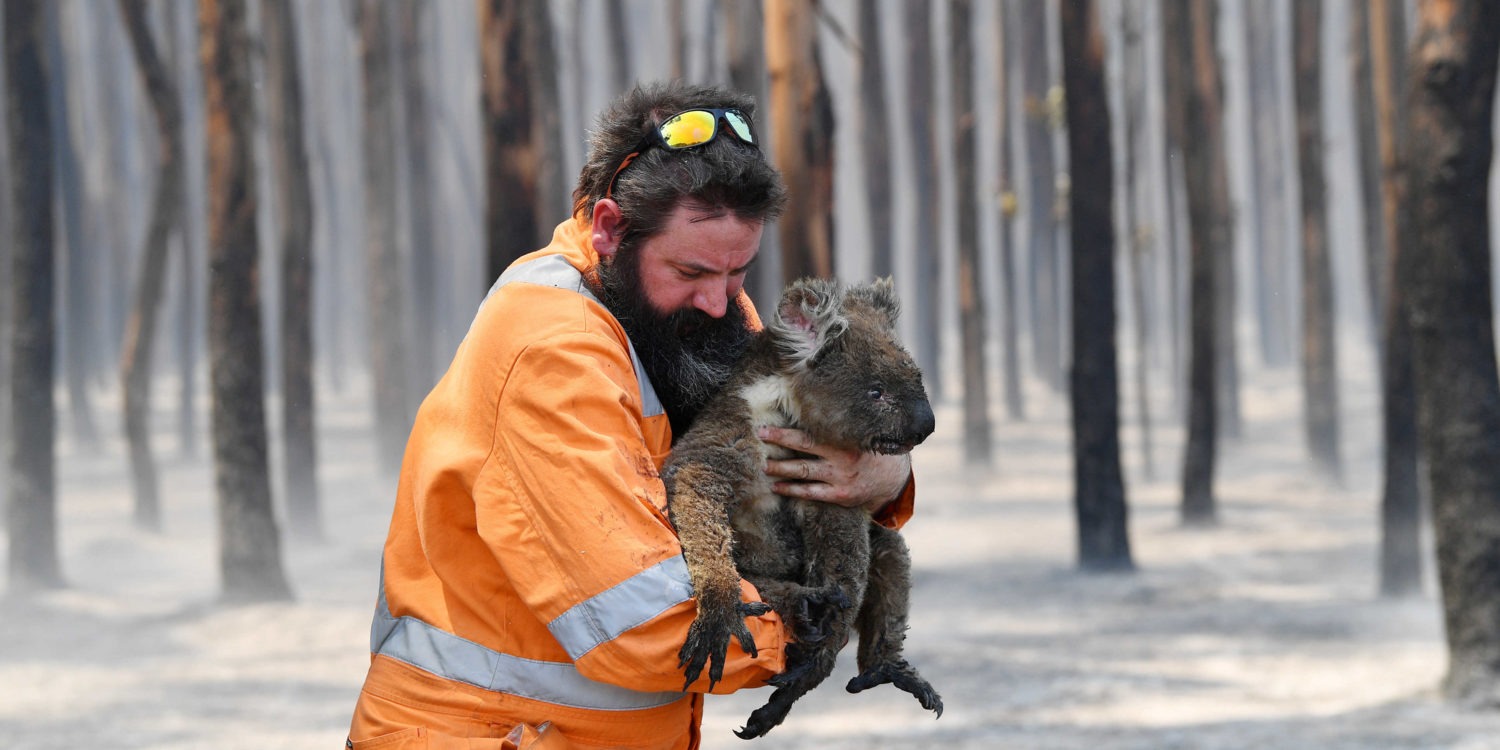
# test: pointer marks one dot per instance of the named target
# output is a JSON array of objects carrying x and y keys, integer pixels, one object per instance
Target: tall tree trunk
[
  {"x": 31, "y": 515},
  {"x": 802, "y": 146},
  {"x": 1044, "y": 241},
  {"x": 1099, "y": 488},
  {"x": 921, "y": 119},
  {"x": 1368, "y": 163},
  {"x": 1010, "y": 318},
  {"x": 619, "y": 43},
  {"x": 140, "y": 329},
  {"x": 1319, "y": 363},
  {"x": 744, "y": 48},
  {"x": 511, "y": 153},
  {"x": 1193, "y": 79},
  {"x": 250, "y": 547},
  {"x": 1401, "y": 500},
  {"x": 977, "y": 450},
  {"x": 427, "y": 255},
  {"x": 875, "y": 139},
  {"x": 1268, "y": 217},
  {"x": 1135, "y": 241},
  {"x": 1226, "y": 346},
  {"x": 294, "y": 186},
  {"x": 190, "y": 229},
  {"x": 1451, "y": 120},
  {"x": 83, "y": 246},
  {"x": 389, "y": 351}
]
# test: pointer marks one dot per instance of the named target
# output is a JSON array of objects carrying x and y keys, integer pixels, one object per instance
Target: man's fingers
[{"x": 787, "y": 437}]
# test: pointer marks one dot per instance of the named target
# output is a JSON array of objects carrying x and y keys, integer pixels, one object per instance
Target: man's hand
[{"x": 853, "y": 479}]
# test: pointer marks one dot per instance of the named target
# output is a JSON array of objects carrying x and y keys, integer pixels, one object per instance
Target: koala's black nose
[{"x": 922, "y": 420}]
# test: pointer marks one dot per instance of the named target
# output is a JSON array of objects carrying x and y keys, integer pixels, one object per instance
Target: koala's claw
[
  {"x": 708, "y": 641},
  {"x": 903, "y": 676},
  {"x": 815, "y": 613}
]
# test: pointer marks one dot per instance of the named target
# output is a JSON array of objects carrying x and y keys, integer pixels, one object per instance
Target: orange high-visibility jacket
[{"x": 530, "y": 573}]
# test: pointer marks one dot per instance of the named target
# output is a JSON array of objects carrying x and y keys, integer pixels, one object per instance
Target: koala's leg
[
  {"x": 838, "y": 559},
  {"x": 806, "y": 609},
  {"x": 700, "y": 493},
  {"x": 882, "y": 622}
]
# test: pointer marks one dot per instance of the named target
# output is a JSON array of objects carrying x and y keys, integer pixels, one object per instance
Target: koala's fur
[{"x": 828, "y": 363}]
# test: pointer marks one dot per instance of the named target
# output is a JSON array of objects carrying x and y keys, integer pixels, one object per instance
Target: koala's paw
[
  {"x": 765, "y": 718},
  {"x": 903, "y": 676},
  {"x": 708, "y": 640},
  {"x": 815, "y": 614}
]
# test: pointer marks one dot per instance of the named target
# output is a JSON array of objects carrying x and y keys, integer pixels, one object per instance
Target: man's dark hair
[{"x": 723, "y": 175}]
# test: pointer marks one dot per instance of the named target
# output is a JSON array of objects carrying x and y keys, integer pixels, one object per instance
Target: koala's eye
[{"x": 876, "y": 393}]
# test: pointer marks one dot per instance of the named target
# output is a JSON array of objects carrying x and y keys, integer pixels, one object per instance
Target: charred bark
[
  {"x": 802, "y": 138},
  {"x": 31, "y": 510},
  {"x": 1401, "y": 558},
  {"x": 1450, "y": 110},
  {"x": 921, "y": 119},
  {"x": 977, "y": 445},
  {"x": 1319, "y": 363},
  {"x": 295, "y": 235},
  {"x": 140, "y": 329},
  {"x": 250, "y": 551},
  {"x": 1099, "y": 488}
]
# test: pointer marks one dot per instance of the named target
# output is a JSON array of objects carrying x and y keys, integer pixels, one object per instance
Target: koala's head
[{"x": 854, "y": 384}]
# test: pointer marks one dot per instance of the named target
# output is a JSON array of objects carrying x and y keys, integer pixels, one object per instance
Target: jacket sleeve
[{"x": 570, "y": 504}]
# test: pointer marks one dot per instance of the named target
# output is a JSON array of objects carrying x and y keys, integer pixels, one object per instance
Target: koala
[{"x": 828, "y": 363}]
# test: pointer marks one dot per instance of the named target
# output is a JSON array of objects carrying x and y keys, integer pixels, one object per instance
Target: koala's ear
[
  {"x": 807, "y": 319},
  {"x": 881, "y": 295}
]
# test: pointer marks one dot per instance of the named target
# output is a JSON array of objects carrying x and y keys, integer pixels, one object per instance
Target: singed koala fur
[{"x": 828, "y": 363}]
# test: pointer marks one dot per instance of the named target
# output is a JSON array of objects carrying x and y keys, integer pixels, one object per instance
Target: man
[{"x": 531, "y": 579}]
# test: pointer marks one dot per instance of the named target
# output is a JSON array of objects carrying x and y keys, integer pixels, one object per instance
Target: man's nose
[{"x": 712, "y": 300}]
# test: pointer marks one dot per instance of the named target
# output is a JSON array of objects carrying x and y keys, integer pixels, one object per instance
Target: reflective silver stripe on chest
[
  {"x": 555, "y": 271},
  {"x": 446, "y": 655}
]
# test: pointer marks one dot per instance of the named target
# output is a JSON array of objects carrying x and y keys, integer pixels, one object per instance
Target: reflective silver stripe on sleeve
[
  {"x": 446, "y": 655},
  {"x": 639, "y": 598},
  {"x": 555, "y": 271}
]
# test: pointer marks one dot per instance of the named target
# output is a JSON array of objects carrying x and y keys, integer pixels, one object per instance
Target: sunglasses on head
[{"x": 686, "y": 129}]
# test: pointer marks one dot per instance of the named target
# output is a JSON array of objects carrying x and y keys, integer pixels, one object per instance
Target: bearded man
[{"x": 533, "y": 591}]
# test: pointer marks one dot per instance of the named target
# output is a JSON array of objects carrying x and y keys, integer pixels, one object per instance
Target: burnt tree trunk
[
  {"x": 294, "y": 187},
  {"x": 744, "y": 47},
  {"x": 921, "y": 120},
  {"x": 1450, "y": 120},
  {"x": 875, "y": 140},
  {"x": 1267, "y": 218},
  {"x": 1401, "y": 498},
  {"x": 1319, "y": 364},
  {"x": 250, "y": 546},
  {"x": 31, "y": 510},
  {"x": 1010, "y": 322},
  {"x": 1136, "y": 247},
  {"x": 389, "y": 350},
  {"x": 512, "y": 154},
  {"x": 1099, "y": 488},
  {"x": 977, "y": 446},
  {"x": 1360, "y": 73},
  {"x": 1041, "y": 210},
  {"x": 140, "y": 329},
  {"x": 1193, "y": 78},
  {"x": 802, "y": 138}
]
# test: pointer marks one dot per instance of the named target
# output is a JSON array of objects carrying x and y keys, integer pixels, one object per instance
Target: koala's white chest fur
[{"x": 771, "y": 403}]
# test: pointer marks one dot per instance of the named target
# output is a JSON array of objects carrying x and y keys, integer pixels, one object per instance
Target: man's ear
[{"x": 608, "y": 227}]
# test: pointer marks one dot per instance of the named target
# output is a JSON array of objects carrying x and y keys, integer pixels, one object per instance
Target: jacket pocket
[{"x": 413, "y": 738}]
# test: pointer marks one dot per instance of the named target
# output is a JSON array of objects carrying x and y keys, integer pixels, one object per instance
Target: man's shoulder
[{"x": 540, "y": 306}]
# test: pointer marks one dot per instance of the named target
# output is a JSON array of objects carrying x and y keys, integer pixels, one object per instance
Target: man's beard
[{"x": 688, "y": 354}]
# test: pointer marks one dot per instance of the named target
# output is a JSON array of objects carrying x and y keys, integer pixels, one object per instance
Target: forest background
[{"x": 1098, "y": 559}]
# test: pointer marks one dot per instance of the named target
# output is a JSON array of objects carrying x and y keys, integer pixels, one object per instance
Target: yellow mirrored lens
[
  {"x": 740, "y": 124},
  {"x": 688, "y": 129}
]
